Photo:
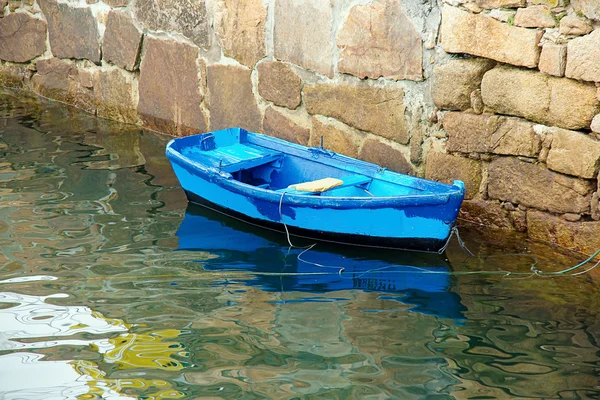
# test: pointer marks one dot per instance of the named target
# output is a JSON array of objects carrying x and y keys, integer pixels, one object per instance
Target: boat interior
[{"x": 293, "y": 169}]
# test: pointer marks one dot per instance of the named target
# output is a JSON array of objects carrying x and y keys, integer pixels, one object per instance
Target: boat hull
[
  {"x": 407, "y": 243},
  {"x": 420, "y": 219}
]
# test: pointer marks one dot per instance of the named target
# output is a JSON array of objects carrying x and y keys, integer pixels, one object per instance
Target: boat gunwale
[{"x": 226, "y": 180}]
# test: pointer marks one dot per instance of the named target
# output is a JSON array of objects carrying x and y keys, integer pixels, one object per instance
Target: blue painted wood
[{"x": 246, "y": 174}]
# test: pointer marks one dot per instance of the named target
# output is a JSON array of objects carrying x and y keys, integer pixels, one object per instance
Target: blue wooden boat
[{"x": 313, "y": 192}]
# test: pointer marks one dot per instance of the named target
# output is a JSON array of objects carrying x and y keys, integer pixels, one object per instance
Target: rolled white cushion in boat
[{"x": 317, "y": 186}]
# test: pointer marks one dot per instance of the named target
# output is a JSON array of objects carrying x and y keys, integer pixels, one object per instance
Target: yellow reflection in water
[{"x": 28, "y": 376}]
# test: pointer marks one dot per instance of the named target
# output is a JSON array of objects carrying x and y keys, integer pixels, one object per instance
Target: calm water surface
[{"x": 112, "y": 287}]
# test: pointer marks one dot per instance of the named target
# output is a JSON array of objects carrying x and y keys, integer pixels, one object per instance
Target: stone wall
[{"x": 498, "y": 93}]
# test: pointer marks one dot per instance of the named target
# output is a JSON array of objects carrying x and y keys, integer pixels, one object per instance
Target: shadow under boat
[{"x": 418, "y": 279}]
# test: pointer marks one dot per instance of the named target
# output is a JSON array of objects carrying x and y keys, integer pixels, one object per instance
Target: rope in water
[{"x": 454, "y": 232}]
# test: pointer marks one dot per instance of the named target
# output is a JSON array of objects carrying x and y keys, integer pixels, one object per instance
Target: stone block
[
  {"x": 22, "y": 37},
  {"x": 549, "y": 3},
  {"x": 13, "y": 76},
  {"x": 595, "y": 125},
  {"x": 240, "y": 28},
  {"x": 553, "y": 59},
  {"x": 59, "y": 80},
  {"x": 538, "y": 97},
  {"x": 122, "y": 40},
  {"x": 488, "y": 213},
  {"x": 539, "y": 16},
  {"x": 392, "y": 48},
  {"x": 302, "y": 33},
  {"x": 278, "y": 125},
  {"x": 114, "y": 96},
  {"x": 232, "y": 102},
  {"x": 278, "y": 83},
  {"x": 337, "y": 137},
  {"x": 169, "y": 95},
  {"x": 533, "y": 185},
  {"x": 379, "y": 110},
  {"x": 116, "y": 3},
  {"x": 578, "y": 236},
  {"x": 491, "y": 4},
  {"x": 447, "y": 168},
  {"x": 582, "y": 57},
  {"x": 187, "y": 17},
  {"x": 502, "y": 15},
  {"x": 480, "y": 35},
  {"x": 574, "y": 153},
  {"x": 385, "y": 154},
  {"x": 470, "y": 133},
  {"x": 574, "y": 25},
  {"x": 453, "y": 82},
  {"x": 589, "y": 8},
  {"x": 73, "y": 31}
]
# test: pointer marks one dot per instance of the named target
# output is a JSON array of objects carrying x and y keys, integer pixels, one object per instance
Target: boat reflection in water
[{"x": 418, "y": 279}]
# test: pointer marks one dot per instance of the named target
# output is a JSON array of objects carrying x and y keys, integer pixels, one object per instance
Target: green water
[{"x": 111, "y": 287}]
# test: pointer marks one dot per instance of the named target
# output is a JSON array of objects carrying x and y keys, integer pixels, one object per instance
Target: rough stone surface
[
  {"x": 337, "y": 137},
  {"x": 573, "y": 25},
  {"x": 384, "y": 154},
  {"x": 301, "y": 34},
  {"x": 550, "y": 3},
  {"x": 470, "y": 133},
  {"x": 116, "y": 3},
  {"x": 278, "y": 125},
  {"x": 539, "y": 16},
  {"x": 538, "y": 97},
  {"x": 277, "y": 82},
  {"x": 169, "y": 95},
  {"x": 488, "y": 213},
  {"x": 578, "y": 236},
  {"x": 187, "y": 17},
  {"x": 446, "y": 168},
  {"x": 574, "y": 153},
  {"x": 113, "y": 91},
  {"x": 59, "y": 80},
  {"x": 553, "y": 59},
  {"x": 240, "y": 27},
  {"x": 13, "y": 76},
  {"x": 477, "y": 102},
  {"x": 122, "y": 40},
  {"x": 532, "y": 185},
  {"x": 503, "y": 15},
  {"x": 22, "y": 37},
  {"x": 595, "y": 206},
  {"x": 453, "y": 82},
  {"x": 480, "y": 35},
  {"x": 589, "y": 8},
  {"x": 390, "y": 48},
  {"x": 490, "y": 4},
  {"x": 73, "y": 31},
  {"x": 368, "y": 108},
  {"x": 582, "y": 57},
  {"x": 595, "y": 125},
  {"x": 232, "y": 102}
]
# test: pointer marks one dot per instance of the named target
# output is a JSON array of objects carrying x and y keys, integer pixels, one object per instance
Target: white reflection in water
[
  {"x": 32, "y": 317},
  {"x": 35, "y": 278},
  {"x": 26, "y": 376}
]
